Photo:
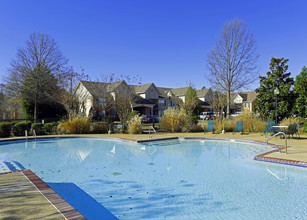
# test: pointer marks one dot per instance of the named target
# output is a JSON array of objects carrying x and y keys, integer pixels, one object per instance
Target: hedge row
[{"x": 18, "y": 128}]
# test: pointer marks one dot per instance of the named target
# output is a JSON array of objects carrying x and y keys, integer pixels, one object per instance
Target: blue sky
[{"x": 163, "y": 41}]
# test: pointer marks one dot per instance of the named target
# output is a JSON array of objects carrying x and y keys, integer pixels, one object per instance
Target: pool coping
[
  {"x": 63, "y": 207},
  {"x": 261, "y": 157}
]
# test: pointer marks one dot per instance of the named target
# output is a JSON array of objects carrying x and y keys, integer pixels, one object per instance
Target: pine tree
[
  {"x": 300, "y": 94},
  {"x": 277, "y": 77}
]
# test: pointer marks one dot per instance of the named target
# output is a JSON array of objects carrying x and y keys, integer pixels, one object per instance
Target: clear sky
[{"x": 163, "y": 41}]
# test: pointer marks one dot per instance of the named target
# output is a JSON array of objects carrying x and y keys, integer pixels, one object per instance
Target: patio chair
[
  {"x": 296, "y": 131},
  {"x": 291, "y": 130},
  {"x": 269, "y": 128},
  {"x": 239, "y": 127},
  {"x": 210, "y": 127}
]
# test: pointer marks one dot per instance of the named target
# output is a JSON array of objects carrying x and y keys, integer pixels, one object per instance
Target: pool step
[{"x": 7, "y": 166}]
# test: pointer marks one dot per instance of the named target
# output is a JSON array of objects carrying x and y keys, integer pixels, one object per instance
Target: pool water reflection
[{"x": 175, "y": 179}]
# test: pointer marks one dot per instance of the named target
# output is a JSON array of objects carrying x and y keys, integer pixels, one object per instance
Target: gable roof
[
  {"x": 98, "y": 88},
  {"x": 246, "y": 96},
  {"x": 180, "y": 91},
  {"x": 141, "y": 101},
  {"x": 202, "y": 92},
  {"x": 163, "y": 92},
  {"x": 141, "y": 88}
]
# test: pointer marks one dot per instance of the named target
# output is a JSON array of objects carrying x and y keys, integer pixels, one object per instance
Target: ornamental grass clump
[
  {"x": 174, "y": 120},
  {"x": 78, "y": 125},
  {"x": 251, "y": 123},
  {"x": 99, "y": 128},
  {"x": 229, "y": 125},
  {"x": 135, "y": 125},
  {"x": 289, "y": 121}
]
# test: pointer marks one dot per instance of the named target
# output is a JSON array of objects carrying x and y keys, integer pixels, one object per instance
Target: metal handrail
[
  {"x": 34, "y": 134},
  {"x": 153, "y": 130},
  {"x": 267, "y": 141}
]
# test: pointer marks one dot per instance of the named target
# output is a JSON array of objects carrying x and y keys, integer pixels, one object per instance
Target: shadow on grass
[{"x": 81, "y": 201}]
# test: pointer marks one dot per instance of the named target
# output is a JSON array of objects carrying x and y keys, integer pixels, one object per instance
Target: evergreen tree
[
  {"x": 190, "y": 105},
  {"x": 277, "y": 77},
  {"x": 300, "y": 94}
]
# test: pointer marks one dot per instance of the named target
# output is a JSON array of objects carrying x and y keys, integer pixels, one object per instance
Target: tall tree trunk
[
  {"x": 35, "y": 109},
  {"x": 228, "y": 104}
]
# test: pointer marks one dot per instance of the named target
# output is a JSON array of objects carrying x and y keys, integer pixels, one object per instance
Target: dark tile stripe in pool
[{"x": 158, "y": 139}]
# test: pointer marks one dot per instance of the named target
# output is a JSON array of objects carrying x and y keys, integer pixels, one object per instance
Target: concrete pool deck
[
  {"x": 25, "y": 196},
  {"x": 20, "y": 196}
]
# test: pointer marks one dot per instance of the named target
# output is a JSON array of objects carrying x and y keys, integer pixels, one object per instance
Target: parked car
[
  {"x": 234, "y": 115},
  {"x": 147, "y": 118},
  {"x": 156, "y": 118},
  {"x": 206, "y": 115}
]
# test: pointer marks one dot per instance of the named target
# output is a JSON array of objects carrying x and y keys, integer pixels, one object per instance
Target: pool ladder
[
  {"x": 279, "y": 133},
  {"x": 152, "y": 128},
  {"x": 26, "y": 135}
]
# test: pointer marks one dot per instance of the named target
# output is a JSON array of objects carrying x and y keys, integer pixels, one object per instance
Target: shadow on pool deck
[{"x": 81, "y": 201}]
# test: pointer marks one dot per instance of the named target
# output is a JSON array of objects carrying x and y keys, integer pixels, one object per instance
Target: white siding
[
  {"x": 238, "y": 99},
  {"x": 182, "y": 98}
]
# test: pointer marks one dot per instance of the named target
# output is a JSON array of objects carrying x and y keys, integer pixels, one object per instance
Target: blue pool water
[{"x": 192, "y": 179}]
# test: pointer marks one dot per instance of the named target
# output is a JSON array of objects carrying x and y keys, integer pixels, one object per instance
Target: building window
[
  {"x": 162, "y": 102},
  {"x": 246, "y": 105}
]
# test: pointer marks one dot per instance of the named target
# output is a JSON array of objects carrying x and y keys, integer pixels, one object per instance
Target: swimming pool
[{"x": 178, "y": 179}]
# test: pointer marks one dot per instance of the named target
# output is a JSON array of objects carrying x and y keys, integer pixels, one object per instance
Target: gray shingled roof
[
  {"x": 98, "y": 88},
  {"x": 180, "y": 91},
  {"x": 141, "y": 88},
  {"x": 247, "y": 96},
  {"x": 201, "y": 92}
]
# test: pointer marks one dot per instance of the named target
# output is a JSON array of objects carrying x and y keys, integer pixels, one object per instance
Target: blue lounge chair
[
  {"x": 210, "y": 127},
  {"x": 296, "y": 131},
  {"x": 239, "y": 127},
  {"x": 269, "y": 128}
]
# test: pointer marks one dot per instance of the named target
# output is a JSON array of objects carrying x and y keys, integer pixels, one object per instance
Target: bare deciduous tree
[
  {"x": 218, "y": 103},
  {"x": 122, "y": 102},
  {"x": 35, "y": 70},
  {"x": 232, "y": 62},
  {"x": 71, "y": 101}
]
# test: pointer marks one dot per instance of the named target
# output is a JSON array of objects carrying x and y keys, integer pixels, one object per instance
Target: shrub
[
  {"x": 251, "y": 123},
  {"x": 289, "y": 121},
  {"x": 131, "y": 115},
  {"x": 50, "y": 127},
  {"x": 5, "y": 129},
  {"x": 229, "y": 125},
  {"x": 305, "y": 127},
  {"x": 39, "y": 128},
  {"x": 135, "y": 125},
  {"x": 99, "y": 128},
  {"x": 196, "y": 128},
  {"x": 173, "y": 120},
  {"x": 78, "y": 125},
  {"x": 20, "y": 127}
]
